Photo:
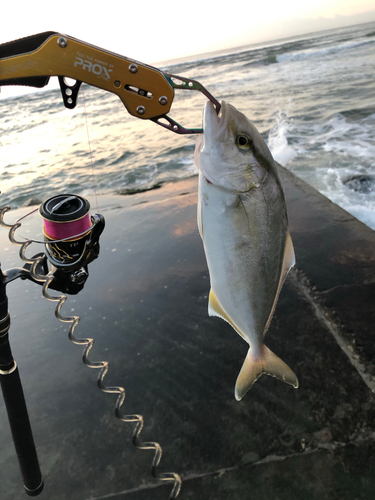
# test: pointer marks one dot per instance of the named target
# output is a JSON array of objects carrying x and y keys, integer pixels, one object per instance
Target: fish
[{"x": 242, "y": 220}]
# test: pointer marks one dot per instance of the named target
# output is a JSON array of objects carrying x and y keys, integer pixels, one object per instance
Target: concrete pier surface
[{"x": 145, "y": 304}]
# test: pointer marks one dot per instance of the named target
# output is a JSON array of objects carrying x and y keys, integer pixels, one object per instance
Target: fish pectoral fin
[{"x": 268, "y": 363}]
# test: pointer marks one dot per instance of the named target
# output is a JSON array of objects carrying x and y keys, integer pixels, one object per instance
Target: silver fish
[{"x": 243, "y": 223}]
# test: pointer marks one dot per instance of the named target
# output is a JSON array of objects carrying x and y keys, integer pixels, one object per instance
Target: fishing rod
[
  {"x": 68, "y": 271},
  {"x": 71, "y": 239},
  {"x": 145, "y": 91}
]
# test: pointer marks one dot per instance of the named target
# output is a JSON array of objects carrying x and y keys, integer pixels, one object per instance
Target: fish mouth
[
  {"x": 210, "y": 115},
  {"x": 215, "y": 126}
]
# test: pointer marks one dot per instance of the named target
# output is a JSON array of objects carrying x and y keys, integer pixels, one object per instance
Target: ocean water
[{"x": 311, "y": 97}]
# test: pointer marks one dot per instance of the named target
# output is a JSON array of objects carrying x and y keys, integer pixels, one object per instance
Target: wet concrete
[{"x": 146, "y": 305}]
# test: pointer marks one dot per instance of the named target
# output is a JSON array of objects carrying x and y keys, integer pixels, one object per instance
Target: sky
[{"x": 151, "y": 31}]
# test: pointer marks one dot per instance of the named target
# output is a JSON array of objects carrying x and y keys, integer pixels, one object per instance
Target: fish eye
[{"x": 243, "y": 142}]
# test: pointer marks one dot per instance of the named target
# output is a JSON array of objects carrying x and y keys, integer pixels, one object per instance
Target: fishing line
[
  {"x": 90, "y": 150},
  {"x": 70, "y": 229}
]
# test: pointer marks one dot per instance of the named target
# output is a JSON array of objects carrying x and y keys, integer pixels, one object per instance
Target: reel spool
[{"x": 71, "y": 237}]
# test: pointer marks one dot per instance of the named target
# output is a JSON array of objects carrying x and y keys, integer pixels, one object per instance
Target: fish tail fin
[{"x": 253, "y": 368}]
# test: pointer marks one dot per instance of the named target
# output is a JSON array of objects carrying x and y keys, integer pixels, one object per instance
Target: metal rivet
[
  {"x": 163, "y": 100},
  {"x": 141, "y": 110},
  {"x": 117, "y": 83},
  {"x": 62, "y": 42},
  {"x": 133, "y": 68}
]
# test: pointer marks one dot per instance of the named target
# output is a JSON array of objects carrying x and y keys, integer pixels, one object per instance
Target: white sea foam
[
  {"x": 348, "y": 138},
  {"x": 281, "y": 150}
]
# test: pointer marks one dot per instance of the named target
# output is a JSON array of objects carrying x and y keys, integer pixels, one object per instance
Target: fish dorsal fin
[
  {"x": 288, "y": 262},
  {"x": 215, "y": 309}
]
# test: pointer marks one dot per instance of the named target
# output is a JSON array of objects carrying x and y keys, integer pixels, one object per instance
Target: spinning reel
[{"x": 71, "y": 240}]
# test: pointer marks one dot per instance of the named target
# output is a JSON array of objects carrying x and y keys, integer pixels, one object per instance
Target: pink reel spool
[{"x": 66, "y": 217}]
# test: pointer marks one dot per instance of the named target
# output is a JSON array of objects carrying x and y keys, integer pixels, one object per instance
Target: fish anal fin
[
  {"x": 215, "y": 309},
  {"x": 267, "y": 363}
]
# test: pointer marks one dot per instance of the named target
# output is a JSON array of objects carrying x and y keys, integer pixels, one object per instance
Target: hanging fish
[{"x": 243, "y": 223}]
